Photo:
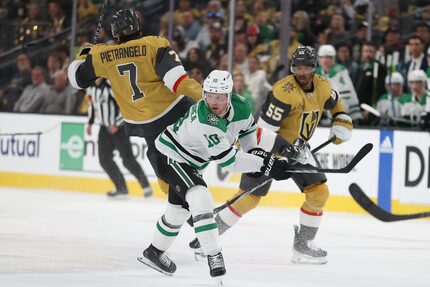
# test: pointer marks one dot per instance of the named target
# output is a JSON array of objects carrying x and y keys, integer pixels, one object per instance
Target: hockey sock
[
  {"x": 226, "y": 218},
  {"x": 200, "y": 202},
  {"x": 168, "y": 226}
]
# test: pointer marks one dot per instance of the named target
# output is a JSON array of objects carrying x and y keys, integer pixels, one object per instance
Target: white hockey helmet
[
  {"x": 326, "y": 51},
  {"x": 219, "y": 82},
  {"x": 394, "y": 78},
  {"x": 417, "y": 76}
]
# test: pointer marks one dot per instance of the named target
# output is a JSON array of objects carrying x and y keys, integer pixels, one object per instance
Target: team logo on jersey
[
  {"x": 309, "y": 123},
  {"x": 288, "y": 87},
  {"x": 212, "y": 119}
]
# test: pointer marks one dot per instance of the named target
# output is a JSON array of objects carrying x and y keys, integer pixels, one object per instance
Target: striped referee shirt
[{"x": 103, "y": 108}]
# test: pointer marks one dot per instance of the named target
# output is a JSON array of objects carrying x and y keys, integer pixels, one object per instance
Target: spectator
[
  {"x": 204, "y": 35},
  {"x": 300, "y": 21},
  {"x": 191, "y": 26},
  {"x": 392, "y": 44},
  {"x": 57, "y": 18},
  {"x": 196, "y": 60},
  {"x": 336, "y": 32},
  {"x": 414, "y": 104},
  {"x": 252, "y": 33},
  {"x": 358, "y": 40},
  {"x": 339, "y": 80},
  {"x": 388, "y": 104},
  {"x": 241, "y": 58},
  {"x": 344, "y": 57},
  {"x": 53, "y": 64},
  {"x": 418, "y": 60},
  {"x": 32, "y": 98},
  {"x": 423, "y": 31},
  {"x": 215, "y": 8},
  {"x": 197, "y": 75},
  {"x": 184, "y": 6},
  {"x": 257, "y": 84},
  {"x": 32, "y": 27},
  {"x": 61, "y": 98},
  {"x": 218, "y": 46},
  {"x": 239, "y": 88},
  {"x": 370, "y": 77},
  {"x": 87, "y": 9},
  {"x": 183, "y": 43},
  {"x": 12, "y": 92},
  {"x": 242, "y": 11},
  {"x": 267, "y": 31}
]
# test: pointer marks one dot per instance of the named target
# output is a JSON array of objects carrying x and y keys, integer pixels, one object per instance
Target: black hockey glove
[
  {"x": 273, "y": 167},
  {"x": 298, "y": 152}
]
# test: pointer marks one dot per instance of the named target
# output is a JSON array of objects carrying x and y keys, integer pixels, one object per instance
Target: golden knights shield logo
[{"x": 309, "y": 123}]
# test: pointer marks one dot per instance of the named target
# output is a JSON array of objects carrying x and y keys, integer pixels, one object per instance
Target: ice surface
[{"x": 55, "y": 238}]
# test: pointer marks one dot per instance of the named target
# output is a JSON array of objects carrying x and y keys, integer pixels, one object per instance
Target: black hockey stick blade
[
  {"x": 367, "y": 204},
  {"x": 245, "y": 193},
  {"x": 307, "y": 168}
]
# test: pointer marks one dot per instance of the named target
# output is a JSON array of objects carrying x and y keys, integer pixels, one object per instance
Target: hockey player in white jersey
[
  {"x": 207, "y": 132},
  {"x": 339, "y": 79}
]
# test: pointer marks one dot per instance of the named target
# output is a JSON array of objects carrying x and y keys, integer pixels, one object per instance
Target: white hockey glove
[{"x": 341, "y": 128}]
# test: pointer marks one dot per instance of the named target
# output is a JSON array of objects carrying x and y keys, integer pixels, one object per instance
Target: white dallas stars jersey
[{"x": 200, "y": 136}]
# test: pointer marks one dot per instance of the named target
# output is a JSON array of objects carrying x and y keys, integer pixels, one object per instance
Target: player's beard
[{"x": 304, "y": 80}]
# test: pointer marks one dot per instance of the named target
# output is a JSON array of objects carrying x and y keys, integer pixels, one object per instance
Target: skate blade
[
  {"x": 199, "y": 256},
  {"x": 299, "y": 258},
  {"x": 149, "y": 263},
  {"x": 218, "y": 280},
  {"x": 118, "y": 197}
]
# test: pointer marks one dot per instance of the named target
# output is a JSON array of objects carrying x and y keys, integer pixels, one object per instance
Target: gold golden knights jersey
[
  {"x": 292, "y": 112},
  {"x": 146, "y": 75}
]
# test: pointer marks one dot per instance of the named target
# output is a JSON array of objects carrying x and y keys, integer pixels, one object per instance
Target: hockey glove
[
  {"x": 273, "y": 167},
  {"x": 299, "y": 152},
  {"x": 341, "y": 128}
]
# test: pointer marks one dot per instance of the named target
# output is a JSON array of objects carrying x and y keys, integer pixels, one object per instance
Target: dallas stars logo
[
  {"x": 288, "y": 87},
  {"x": 212, "y": 119}
]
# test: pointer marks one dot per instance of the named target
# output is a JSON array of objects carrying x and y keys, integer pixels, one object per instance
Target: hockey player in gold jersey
[
  {"x": 293, "y": 110},
  {"x": 147, "y": 78}
]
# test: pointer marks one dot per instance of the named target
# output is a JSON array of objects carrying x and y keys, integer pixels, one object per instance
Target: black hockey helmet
[
  {"x": 124, "y": 23},
  {"x": 304, "y": 55}
]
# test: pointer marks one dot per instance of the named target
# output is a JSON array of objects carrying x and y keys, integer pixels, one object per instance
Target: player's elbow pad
[{"x": 71, "y": 72}]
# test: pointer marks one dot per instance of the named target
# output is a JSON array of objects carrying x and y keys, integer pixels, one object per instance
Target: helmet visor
[
  {"x": 216, "y": 98},
  {"x": 302, "y": 69}
]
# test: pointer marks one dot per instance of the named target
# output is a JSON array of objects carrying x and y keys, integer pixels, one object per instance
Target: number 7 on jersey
[{"x": 132, "y": 76}]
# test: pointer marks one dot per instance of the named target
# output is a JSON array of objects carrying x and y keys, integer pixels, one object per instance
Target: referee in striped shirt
[{"x": 104, "y": 111}]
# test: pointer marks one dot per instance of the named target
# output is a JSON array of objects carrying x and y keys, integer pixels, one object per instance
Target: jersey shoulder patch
[
  {"x": 321, "y": 78},
  {"x": 206, "y": 117},
  {"x": 242, "y": 110},
  {"x": 155, "y": 41}
]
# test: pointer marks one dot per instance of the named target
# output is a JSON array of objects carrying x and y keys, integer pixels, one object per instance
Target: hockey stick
[
  {"x": 245, "y": 193},
  {"x": 307, "y": 168},
  {"x": 364, "y": 201},
  {"x": 99, "y": 22}
]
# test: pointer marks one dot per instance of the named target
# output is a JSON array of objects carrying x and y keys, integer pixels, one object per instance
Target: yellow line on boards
[{"x": 102, "y": 185}]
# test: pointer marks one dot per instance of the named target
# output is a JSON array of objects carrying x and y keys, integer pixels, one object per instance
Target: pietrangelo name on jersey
[{"x": 122, "y": 52}]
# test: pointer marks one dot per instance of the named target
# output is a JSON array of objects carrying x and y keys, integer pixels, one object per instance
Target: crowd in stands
[{"x": 390, "y": 73}]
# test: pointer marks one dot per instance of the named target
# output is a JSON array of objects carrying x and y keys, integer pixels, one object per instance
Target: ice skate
[
  {"x": 216, "y": 267},
  {"x": 305, "y": 251},
  {"x": 197, "y": 249},
  {"x": 118, "y": 194},
  {"x": 157, "y": 260}
]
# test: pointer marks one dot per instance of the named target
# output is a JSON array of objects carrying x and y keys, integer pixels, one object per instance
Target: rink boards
[{"x": 59, "y": 155}]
